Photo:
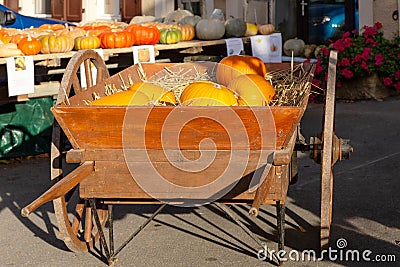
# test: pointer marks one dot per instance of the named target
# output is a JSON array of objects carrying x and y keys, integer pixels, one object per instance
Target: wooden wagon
[{"x": 132, "y": 156}]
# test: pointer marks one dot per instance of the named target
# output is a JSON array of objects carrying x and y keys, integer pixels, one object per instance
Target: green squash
[
  {"x": 170, "y": 36},
  {"x": 235, "y": 27}
]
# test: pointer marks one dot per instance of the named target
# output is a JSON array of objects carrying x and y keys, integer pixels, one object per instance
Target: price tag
[
  {"x": 267, "y": 47},
  {"x": 143, "y": 54},
  {"x": 234, "y": 46},
  {"x": 20, "y": 75},
  {"x": 93, "y": 68}
]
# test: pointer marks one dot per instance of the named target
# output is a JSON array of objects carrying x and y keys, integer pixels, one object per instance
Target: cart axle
[{"x": 341, "y": 148}]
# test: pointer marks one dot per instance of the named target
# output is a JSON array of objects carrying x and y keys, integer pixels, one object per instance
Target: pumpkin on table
[
  {"x": 144, "y": 35},
  {"x": 30, "y": 46},
  {"x": 294, "y": 45},
  {"x": 170, "y": 36},
  {"x": 207, "y": 93},
  {"x": 188, "y": 31},
  {"x": 56, "y": 44},
  {"x": 251, "y": 29},
  {"x": 232, "y": 66},
  {"x": 177, "y": 15},
  {"x": 252, "y": 90},
  {"x": 210, "y": 29},
  {"x": 86, "y": 42},
  {"x": 116, "y": 39},
  {"x": 235, "y": 27},
  {"x": 266, "y": 29}
]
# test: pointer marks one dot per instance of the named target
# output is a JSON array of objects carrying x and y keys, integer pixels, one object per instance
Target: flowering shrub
[{"x": 360, "y": 55}]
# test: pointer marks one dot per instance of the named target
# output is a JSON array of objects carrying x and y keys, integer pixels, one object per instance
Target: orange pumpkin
[
  {"x": 30, "y": 46},
  {"x": 5, "y": 37},
  {"x": 95, "y": 30},
  {"x": 252, "y": 90},
  {"x": 53, "y": 27},
  {"x": 116, "y": 39},
  {"x": 144, "y": 35},
  {"x": 206, "y": 93},
  {"x": 232, "y": 66},
  {"x": 18, "y": 37},
  {"x": 122, "y": 99},
  {"x": 266, "y": 29}
]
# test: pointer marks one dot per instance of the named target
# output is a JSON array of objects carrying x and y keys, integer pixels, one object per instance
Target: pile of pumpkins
[
  {"x": 240, "y": 81},
  {"x": 178, "y": 25}
]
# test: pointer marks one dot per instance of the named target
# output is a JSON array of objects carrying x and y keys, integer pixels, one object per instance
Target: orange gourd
[
  {"x": 122, "y": 99},
  {"x": 30, "y": 46},
  {"x": 232, "y": 66},
  {"x": 5, "y": 37},
  {"x": 206, "y": 93},
  {"x": 144, "y": 35},
  {"x": 266, "y": 29},
  {"x": 252, "y": 90},
  {"x": 116, "y": 39}
]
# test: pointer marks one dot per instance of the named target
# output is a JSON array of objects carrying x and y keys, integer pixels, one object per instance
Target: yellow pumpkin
[
  {"x": 86, "y": 42},
  {"x": 232, "y": 66},
  {"x": 122, "y": 99},
  {"x": 206, "y": 93},
  {"x": 154, "y": 92},
  {"x": 56, "y": 44},
  {"x": 251, "y": 29},
  {"x": 252, "y": 90},
  {"x": 188, "y": 31}
]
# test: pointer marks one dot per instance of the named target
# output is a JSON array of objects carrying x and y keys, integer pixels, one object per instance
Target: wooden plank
[
  {"x": 61, "y": 187},
  {"x": 327, "y": 163},
  {"x": 112, "y": 180}
]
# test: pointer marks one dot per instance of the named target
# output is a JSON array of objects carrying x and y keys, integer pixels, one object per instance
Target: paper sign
[
  {"x": 234, "y": 46},
  {"x": 143, "y": 54},
  {"x": 267, "y": 47},
  {"x": 20, "y": 75},
  {"x": 94, "y": 70}
]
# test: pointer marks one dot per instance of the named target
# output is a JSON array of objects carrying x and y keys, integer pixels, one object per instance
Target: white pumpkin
[
  {"x": 210, "y": 29},
  {"x": 296, "y": 45}
]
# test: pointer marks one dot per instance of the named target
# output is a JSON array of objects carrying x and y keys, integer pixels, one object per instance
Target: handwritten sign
[{"x": 20, "y": 75}]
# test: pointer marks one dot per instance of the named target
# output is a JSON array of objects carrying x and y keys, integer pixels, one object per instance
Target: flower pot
[{"x": 366, "y": 87}]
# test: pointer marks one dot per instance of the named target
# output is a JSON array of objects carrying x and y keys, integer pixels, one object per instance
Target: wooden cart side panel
[
  {"x": 94, "y": 128},
  {"x": 112, "y": 180}
]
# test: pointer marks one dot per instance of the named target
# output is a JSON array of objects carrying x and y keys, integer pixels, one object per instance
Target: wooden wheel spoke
[
  {"x": 76, "y": 222},
  {"x": 88, "y": 72},
  {"x": 69, "y": 229}
]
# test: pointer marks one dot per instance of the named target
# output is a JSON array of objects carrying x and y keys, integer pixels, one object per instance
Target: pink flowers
[
  {"x": 378, "y": 59},
  {"x": 361, "y": 55},
  {"x": 347, "y": 73},
  {"x": 387, "y": 81}
]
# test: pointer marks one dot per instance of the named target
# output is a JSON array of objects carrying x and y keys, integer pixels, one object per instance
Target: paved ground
[{"x": 366, "y": 209}]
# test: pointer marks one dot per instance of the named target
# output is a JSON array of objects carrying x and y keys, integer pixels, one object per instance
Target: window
[{"x": 43, "y": 6}]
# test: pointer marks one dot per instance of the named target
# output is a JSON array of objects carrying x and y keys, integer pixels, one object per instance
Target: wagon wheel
[
  {"x": 328, "y": 151},
  {"x": 73, "y": 214}
]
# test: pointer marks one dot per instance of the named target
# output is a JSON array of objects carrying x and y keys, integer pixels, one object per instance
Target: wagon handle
[{"x": 60, "y": 188}]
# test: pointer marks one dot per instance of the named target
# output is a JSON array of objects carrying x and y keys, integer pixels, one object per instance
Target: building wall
[{"x": 383, "y": 11}]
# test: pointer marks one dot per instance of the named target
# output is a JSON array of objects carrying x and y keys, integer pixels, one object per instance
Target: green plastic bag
[{"x": 25, "y": 128}]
